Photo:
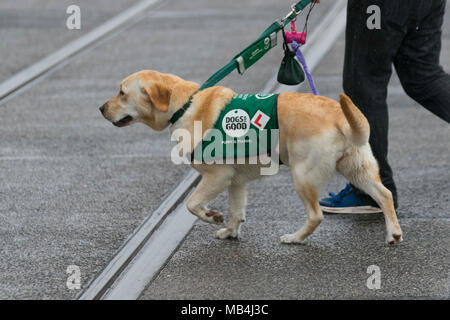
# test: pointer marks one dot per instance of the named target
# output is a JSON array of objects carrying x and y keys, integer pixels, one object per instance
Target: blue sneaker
[{"x": 347, "y": 201}]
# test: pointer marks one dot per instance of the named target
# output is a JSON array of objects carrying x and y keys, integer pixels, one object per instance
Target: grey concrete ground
[
  {"x": 73, "y": 187},
  {"x": 333, "y": 262},
  {"x": 32, "y": 29}
]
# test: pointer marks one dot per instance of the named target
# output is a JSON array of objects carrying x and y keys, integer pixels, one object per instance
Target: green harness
[{"x": 246, "y": 127}]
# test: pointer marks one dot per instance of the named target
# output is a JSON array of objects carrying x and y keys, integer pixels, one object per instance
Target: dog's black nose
[{"x": 102, "y": 108}]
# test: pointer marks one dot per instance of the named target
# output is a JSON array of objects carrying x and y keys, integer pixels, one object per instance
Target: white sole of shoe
[{"x": 352, "y": 210}]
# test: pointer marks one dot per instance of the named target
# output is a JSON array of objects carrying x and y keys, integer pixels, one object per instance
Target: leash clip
[{"x": 293, "y": 11}]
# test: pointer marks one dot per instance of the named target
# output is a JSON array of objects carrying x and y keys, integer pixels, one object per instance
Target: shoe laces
[{"x": 338, "y": 197}]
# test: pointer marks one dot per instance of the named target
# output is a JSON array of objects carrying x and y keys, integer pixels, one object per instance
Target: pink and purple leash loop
[{"x": 300, "y": 58}]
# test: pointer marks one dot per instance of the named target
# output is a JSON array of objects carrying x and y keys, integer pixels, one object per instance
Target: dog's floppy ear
[{"x": 158, "y": 93}]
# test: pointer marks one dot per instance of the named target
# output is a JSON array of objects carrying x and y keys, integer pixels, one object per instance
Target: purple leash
[{"x": 300, "y": 58}]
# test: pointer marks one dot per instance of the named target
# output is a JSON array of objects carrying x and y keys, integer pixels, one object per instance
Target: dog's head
[{"x": 143, "y": 97}]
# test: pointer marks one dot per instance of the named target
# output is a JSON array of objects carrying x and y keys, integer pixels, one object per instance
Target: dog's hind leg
[
  {"x": 307, "y": 182},
  {"x": 237, "y": 199},
  {"x": 210, "y": 186},
  {"x": 361, "y": 169}
]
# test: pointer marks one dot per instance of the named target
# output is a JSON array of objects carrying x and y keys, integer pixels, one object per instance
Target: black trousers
[{"x": 409, "y": 39}]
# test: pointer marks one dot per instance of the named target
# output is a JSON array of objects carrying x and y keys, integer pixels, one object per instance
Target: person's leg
[
  {"x": 417, "y": 61},
  {"x": 369, "y": 54},
  {"x": 367, "y": 69}
]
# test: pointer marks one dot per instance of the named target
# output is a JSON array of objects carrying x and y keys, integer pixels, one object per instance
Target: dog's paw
[
  {"x": 225, "y": 233},
  {"x": 394, "y": 237},
  {"x": 213, "y": 217},
  {"x": 393, "y": 234},
  {"x": 290, "y": 238}
]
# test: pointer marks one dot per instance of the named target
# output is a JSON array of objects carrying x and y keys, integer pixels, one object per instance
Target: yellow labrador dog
[{"x": 317, "y": 136}]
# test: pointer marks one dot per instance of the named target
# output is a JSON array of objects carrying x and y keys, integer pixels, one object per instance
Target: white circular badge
[{"x": 236, "y": 123}]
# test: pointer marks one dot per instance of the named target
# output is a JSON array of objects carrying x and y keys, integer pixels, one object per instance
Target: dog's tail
[{"x": 359, "y": 126}]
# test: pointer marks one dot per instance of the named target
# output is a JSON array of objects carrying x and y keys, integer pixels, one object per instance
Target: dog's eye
[{"x": 122, "y": 93}]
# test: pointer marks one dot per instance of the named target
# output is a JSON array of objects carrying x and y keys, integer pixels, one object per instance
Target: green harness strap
[{"x": 247, "y": 57}]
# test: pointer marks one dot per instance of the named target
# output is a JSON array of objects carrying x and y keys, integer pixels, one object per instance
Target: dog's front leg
[
  {"x": 211, "y": 185},
  {"x": 238, "y": 199}
]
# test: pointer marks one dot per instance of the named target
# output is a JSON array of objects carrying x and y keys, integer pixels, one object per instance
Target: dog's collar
[{"x": 179, "y": 113}]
